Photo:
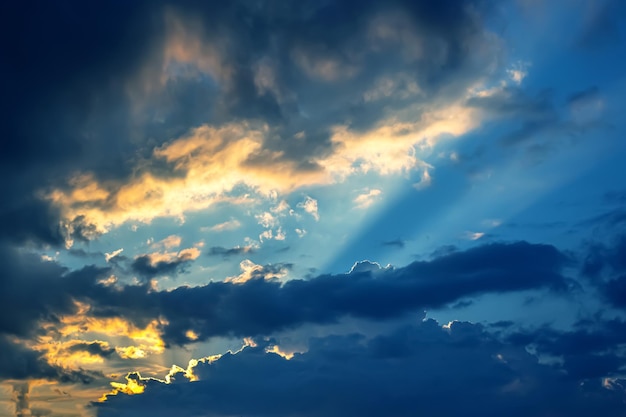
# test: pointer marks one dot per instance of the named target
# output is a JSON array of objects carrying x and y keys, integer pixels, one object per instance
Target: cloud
[
  {"x": 586, "y": 106},
  {"x": 164, "y": 263},
  {"x": 206, "y": 116},
  {"x": 21, "y": 363},
  {"x": 589, "y": 350},
  {"x": 309, "y": 205},
  {"x": 399, "y": 243},
  {"x": 32, "y": 290},
  {"x": 257, "y": 304},
  {"x": 109, "y": 256},
  {"x": 411, "y": 370},
  {"x": 227, "y": 225},
  {"x": 226, "y": 252},
  {"x": 250, "y": 270},
  {"x": 368, "y": 198}
]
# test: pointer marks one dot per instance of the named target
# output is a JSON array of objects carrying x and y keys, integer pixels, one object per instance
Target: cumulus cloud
[{"x": 309, "y": 205}]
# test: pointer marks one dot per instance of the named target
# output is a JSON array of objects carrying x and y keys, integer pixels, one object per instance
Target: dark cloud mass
[
  {"x": 243, "y": 115},
  {"x": 422, "y": 369},
  {"x": 260, "y": 307},
  {"x": 74, "y": 82},
  {"x": 34, "y": 290}
]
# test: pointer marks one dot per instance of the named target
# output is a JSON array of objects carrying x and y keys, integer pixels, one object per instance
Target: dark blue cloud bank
[{"x": 422, "y": 369}]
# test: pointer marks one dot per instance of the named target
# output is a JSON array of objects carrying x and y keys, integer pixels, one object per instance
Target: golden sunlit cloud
[
  {"x": 209, "y": 162},
  {"x": 277, "y": 350},
  {"x": 250, "y": 270},
  {"x": 64, "y": 353},
  {"x": 188, "y": 254},
  {"x": 135, "y": 384},
  {"x": 145, "y": 340},
  {"x": 130, "y": 352}
]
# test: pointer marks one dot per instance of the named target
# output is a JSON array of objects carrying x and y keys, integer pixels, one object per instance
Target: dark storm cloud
[
  {"x": 262, "y": 307},
  {"x": 70, "y": 69},
  {"x": 422, "y": 369},
  {"x": 34, "y": 291},
  {"x": 64, "y": 71}
]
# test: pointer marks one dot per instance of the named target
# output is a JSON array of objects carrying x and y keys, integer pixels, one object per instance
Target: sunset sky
[{"x": 313, "y": 208}]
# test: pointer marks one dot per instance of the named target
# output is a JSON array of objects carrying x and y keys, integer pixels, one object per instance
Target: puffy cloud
[
  {"x": 411, "y": 370},
  {"x": 309, "y": 205}
]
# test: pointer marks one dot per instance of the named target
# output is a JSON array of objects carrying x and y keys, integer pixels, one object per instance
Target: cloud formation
[
  {"x": 413, "y": 370},
  {"x": 255, "y": 303}
]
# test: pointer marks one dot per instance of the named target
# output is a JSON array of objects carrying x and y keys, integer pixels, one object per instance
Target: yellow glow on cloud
[
  {"x": 130, "y": 352},
  {"x": 277, "y": 350},
  {"x": 188, "y": 254},
  {"x": 148, "y": 338},
  {"x": 249, "y": 270},
  {"x": 209, "y": 162},
  {"x": 134, "y": 385},
  {"x": 59, "y": 353},
  {"x": 213, "y": 160},
  {"x": 390, "y": 148},
  {"x": 191, "y": 335}
]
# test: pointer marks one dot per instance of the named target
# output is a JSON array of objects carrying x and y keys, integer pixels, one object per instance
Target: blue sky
[{"x": 313, "y": 209}]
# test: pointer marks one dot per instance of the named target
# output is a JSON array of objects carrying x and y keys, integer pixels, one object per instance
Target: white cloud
[
  {"x": 109, "y": 256},
  {"x": 222, "y": 227},
  {"x": 368, "y": 198},
  {"x": 310, "y": 206}
]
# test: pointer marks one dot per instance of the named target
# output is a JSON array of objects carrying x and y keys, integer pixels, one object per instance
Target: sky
[{"x": 315, "y": 208}]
